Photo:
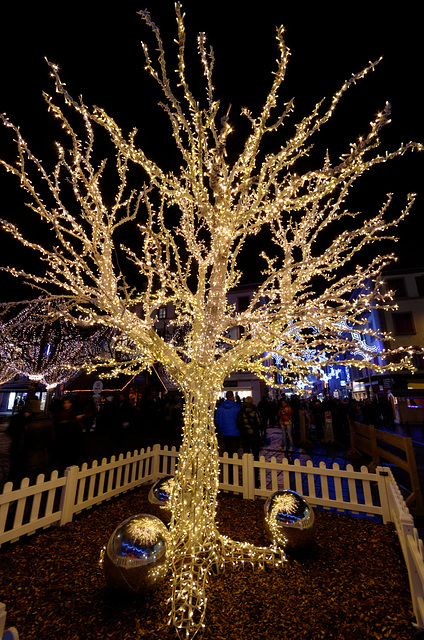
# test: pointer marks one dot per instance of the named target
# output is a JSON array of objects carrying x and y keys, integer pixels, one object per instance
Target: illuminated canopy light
[
  {"x": 192, "y": 262},
  {"x": 41, "y": 344}
]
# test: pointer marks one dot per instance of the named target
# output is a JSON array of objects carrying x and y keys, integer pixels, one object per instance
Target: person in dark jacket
[
  {"x": 37, "y": 441},
  {"x": 265, "y": 412},
  {"x": 69, "y": 439},
  {"x": 249, "y": 424}
]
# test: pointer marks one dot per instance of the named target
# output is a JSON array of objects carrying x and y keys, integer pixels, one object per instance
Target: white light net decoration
[{"x": 41, "y": 344}]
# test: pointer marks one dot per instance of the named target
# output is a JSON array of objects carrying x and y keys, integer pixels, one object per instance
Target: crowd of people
[
  {"x": 243, "y": 424},
  {"x": 41, "y": 442}
]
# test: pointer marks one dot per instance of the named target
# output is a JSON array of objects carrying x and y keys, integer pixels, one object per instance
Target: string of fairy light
[
  {"x": 193, "y": 262},
  {"x": 40, "y": 344}
]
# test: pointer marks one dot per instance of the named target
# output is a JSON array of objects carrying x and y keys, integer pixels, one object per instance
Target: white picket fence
[
  {"x": 55, "y": 501},
  {"x": 412, "y": 545}
]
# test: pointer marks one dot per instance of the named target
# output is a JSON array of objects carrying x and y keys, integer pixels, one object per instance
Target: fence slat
[
  {"x": 155, "y": 463},
  {"x": 81, "y": 484},
  {"x": 118, "y": 482},
  {"x": 20, "y": 508},
  {"x": 126, "y": 470},
  {"x": 310, "y": 479},
  {"x": 262, "y": 475},
  {"x": 102, "y": 477},
  {"x": 174, "y": 459},
  {"x": 248, "y": 476},
  {"x": 92, "y": 482},
  {"x": 300, "y": 481},
  {"x": 274, "y": 477},
  {"x": 367, "y": 489},
  {"x": 351, "y": 483},
  {"x": 4, "y": 505},
  {"x": 324, "y": 482},
  {"x": 337, "y": 483},
  {"x": 51, "y": 493},
  {"x": 134, "y": 466},
  {"x": 111, "y": 474},
  {"x": 36, "y": 501},
  {"x": 67, "y": 499},
  {"x": 286, "y": 474}
]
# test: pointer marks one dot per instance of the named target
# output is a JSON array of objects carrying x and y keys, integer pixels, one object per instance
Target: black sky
[{"x": 97, "y": 48}]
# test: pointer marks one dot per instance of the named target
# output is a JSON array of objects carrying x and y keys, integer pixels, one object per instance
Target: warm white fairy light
[
  {"x": 39, "y": 343},
  {"x": 6, "y": 372},
  {"x": 193, "y": 262}
]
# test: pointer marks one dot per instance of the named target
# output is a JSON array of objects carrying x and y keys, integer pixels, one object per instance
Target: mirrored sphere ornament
[
  {"x": 160, "y": 498},
  {"x": 289, "y": 520},
  {"x": 135, "y": 559}
]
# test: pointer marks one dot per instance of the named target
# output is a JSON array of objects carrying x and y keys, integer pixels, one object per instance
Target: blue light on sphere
[
  {"x": 135, "y": 558},
  {"x": 289, "y": 520}
]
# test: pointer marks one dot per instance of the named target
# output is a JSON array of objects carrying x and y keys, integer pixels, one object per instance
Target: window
[
  {"x": 403, "y": 323},
  {"x": 397, "y": 285},
  {"x": 419, "y": 281},
  {"x": 242, "y": 303},
  {"x": 162, "y": 313},
  {"x": 414, "y": 403},
  {"x": 418, "y": 359}
]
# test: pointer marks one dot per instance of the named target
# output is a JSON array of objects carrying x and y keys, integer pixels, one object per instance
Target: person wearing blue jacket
[{"x": 226, "y": 421}]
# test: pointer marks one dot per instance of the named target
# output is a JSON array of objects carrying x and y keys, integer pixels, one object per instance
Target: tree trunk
[
  {"x": 195, "y": 538},
  {"x": 196, "y": 546}
]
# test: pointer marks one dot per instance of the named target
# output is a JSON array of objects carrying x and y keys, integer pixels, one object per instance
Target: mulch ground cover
[{"x": 352, "y": 584}]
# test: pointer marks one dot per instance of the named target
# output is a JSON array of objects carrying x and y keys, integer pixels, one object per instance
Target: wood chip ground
[{"x": 351, "y": 585}]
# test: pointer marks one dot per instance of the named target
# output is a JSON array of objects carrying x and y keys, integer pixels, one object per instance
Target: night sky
[{"x": 98, "y": 51}]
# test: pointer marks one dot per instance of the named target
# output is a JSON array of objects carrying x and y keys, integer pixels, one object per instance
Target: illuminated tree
[
  {"x": 193, "y": 225},
  {"x": 49, "y": 349}
]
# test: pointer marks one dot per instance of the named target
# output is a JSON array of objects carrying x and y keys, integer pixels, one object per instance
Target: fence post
[
  {"x": 352, "y": 452},
  {"x": 248, "y": 476},
  {"x": 415, "y": 480},
  {"x": 69, "y": 491},
  {"x": 374, "y": 448},
  {"x": 382, "y": 480},
  {"x": 155, "y": 462},
  {"x": 415, "y": 581}
]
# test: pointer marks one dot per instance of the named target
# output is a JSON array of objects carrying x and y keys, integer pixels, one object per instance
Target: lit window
[
  {"x": 162, "y": 313},
  {"x": 415, "y": 403}
]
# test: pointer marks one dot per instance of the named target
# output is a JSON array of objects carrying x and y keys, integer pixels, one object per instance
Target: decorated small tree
[{"x": 193, "y": 225}]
